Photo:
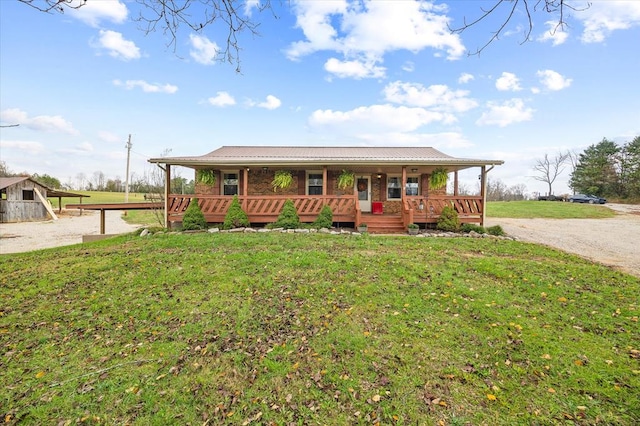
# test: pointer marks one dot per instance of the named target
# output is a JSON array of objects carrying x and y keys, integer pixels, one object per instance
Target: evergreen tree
[
  {"x": 193, "y": 218},
  {"x": 597, "y": 170},
  {"x": 630, "y": 168},
  {"x": 235, "y": 217},
  {"x": 288, "y": 218}
]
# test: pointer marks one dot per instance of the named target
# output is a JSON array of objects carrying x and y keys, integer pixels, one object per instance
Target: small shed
[{"x": 24, "y": 199}]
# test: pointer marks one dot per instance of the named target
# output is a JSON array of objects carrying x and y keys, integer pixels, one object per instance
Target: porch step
[{"x": 383, "y": 224}]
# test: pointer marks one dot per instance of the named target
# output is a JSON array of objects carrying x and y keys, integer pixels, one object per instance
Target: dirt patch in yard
[{"x": 614, "y": 241}]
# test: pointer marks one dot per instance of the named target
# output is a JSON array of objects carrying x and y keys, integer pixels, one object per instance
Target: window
[
  {"x": 230, "y": 183},
  {"x": 28, "y": 195},
  {"x": 412, "y": 185},
  {"x": 314, "y": 183},
  {"x": 394, "y": 187}
]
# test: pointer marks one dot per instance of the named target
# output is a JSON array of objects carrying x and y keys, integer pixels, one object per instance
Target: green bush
[
  {"x": 448, "y": 220},
  {"x": 193, "y": 218},
  {"x": 496, "y": 230},
  {"x": 325, "y": 218},
  {"x": 468, "y": 227},
  {"x": 235, "y": 217},
  {"x": 288, "y": 218}
]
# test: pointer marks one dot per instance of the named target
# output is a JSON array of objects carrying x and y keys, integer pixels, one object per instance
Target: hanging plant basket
[
  {"x": 206, "y": 177},
  {"x": 438, "y": 179},
  {"x": 282, "y": 180},
  {"x": 346, "y": 180}
]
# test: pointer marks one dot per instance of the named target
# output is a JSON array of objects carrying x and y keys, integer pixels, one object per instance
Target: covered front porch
[
  {"x": 346, "y": 211},
  {"x": 390, "y": 187}
]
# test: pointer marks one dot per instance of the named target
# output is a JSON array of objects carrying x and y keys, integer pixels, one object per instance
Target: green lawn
[
  {"x": 316, "y": 329},
  {"x": 547, "y": 210},
  {"x": 97, "y": 197}
]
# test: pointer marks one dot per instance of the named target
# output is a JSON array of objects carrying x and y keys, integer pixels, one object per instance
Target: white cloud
[
  {"x": 371, "y": 29},
  {"x": 465, "y": 77},
  {"x": 270, "y": 103},
  {"x": 117, "y": 46},
  {"x": 82, "y": 149},
  {"x": 107, "y": 136},
  {"x": 555, "y": 34},
  {"x": 249, "y": 5},
  {"x": 508, "y": 81},
  {"x": 93, "y": 12},
  {"x": 222, "y": 99},
  {"x": 354, "y": 69},
  {"x": 203, "y": 51},
  {"x": 601, "y": 18},
  {"x": 508, "y": 112},
  {"x": 45, "y": 123},
  {"x": 146, "y": 87},
  {"x": 438, "y": 97},
  {"x": 444, "y": 140},
  {"x": 29, "y": 147},
  {"x": 553, "y": 80},
  {"x": 408, "y": 66},
  {"x": 377, "y": 118}
]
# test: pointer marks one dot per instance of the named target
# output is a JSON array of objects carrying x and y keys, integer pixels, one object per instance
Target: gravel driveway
[
  {"x": 613, "y": 242},
  {"x": 67, "y": 230}
]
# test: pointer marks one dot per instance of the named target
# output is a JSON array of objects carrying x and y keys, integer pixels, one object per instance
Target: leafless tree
[
  {"x": 499, "y": 191},
  {"x": 169, "y": 16},
  {"x": 509, "y": 8},
  {"x": 549, "y": 168}
]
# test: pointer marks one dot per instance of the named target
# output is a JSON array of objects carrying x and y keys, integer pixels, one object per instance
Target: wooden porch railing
[
  {"x": 469, "y": 208},
  {"x": 265, "y": 209}
]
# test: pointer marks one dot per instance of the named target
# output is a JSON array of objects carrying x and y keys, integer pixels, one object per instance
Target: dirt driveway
[
  {"x": 614, "y": 242},
  {"x": 67, "y": 230}
]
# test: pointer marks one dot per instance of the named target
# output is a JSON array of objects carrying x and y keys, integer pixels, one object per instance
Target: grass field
[
  {"x": 96, "y": 197},
  {"x": 547, "y": 210},
  {"x": 316, "y": 329}
]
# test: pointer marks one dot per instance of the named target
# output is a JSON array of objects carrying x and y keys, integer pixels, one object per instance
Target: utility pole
[{"x": 126, "y": 185}]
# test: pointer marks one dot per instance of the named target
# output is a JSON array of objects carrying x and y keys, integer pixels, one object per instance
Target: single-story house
[
  {"x": 23, "y": 199},
  {"x": 391, "y": 186}
]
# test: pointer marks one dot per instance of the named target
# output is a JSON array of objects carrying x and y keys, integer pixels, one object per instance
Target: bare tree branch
[
  {"x": 548, "y": 169},
  {"x": 170, "y": 16},
  {"x": 54, "y": 5},
  {"x": 549, "y": 6}
]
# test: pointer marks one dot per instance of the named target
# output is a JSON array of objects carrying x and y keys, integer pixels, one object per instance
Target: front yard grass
[
  {"x": 547, "y": 210},
  {"x": 316, "y": 329}
]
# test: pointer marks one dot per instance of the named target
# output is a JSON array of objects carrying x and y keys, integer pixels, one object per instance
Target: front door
[{"x": 363, "y": 185}]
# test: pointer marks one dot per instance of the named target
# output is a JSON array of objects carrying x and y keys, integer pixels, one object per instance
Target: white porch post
[{"x": 483, "y": 193}]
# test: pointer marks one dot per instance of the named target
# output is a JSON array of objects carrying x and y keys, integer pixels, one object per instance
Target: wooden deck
[
  {"x": 265, "y": 209},
  {"x": 345, "y": 208},
  {"x": 115, "y": 206}
]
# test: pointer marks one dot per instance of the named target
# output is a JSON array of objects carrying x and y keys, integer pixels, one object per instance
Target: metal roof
[
  {"x": 6, "y": 182},
  {"x": 326, "y": 155}
]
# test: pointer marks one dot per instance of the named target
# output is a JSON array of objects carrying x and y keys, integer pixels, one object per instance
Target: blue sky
[{"x": 334, "y": 73}]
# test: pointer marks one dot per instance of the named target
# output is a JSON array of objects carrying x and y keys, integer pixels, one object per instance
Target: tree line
[
  {"x": 147, "y": 182},
  {"x": 605, "y": 169}
]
